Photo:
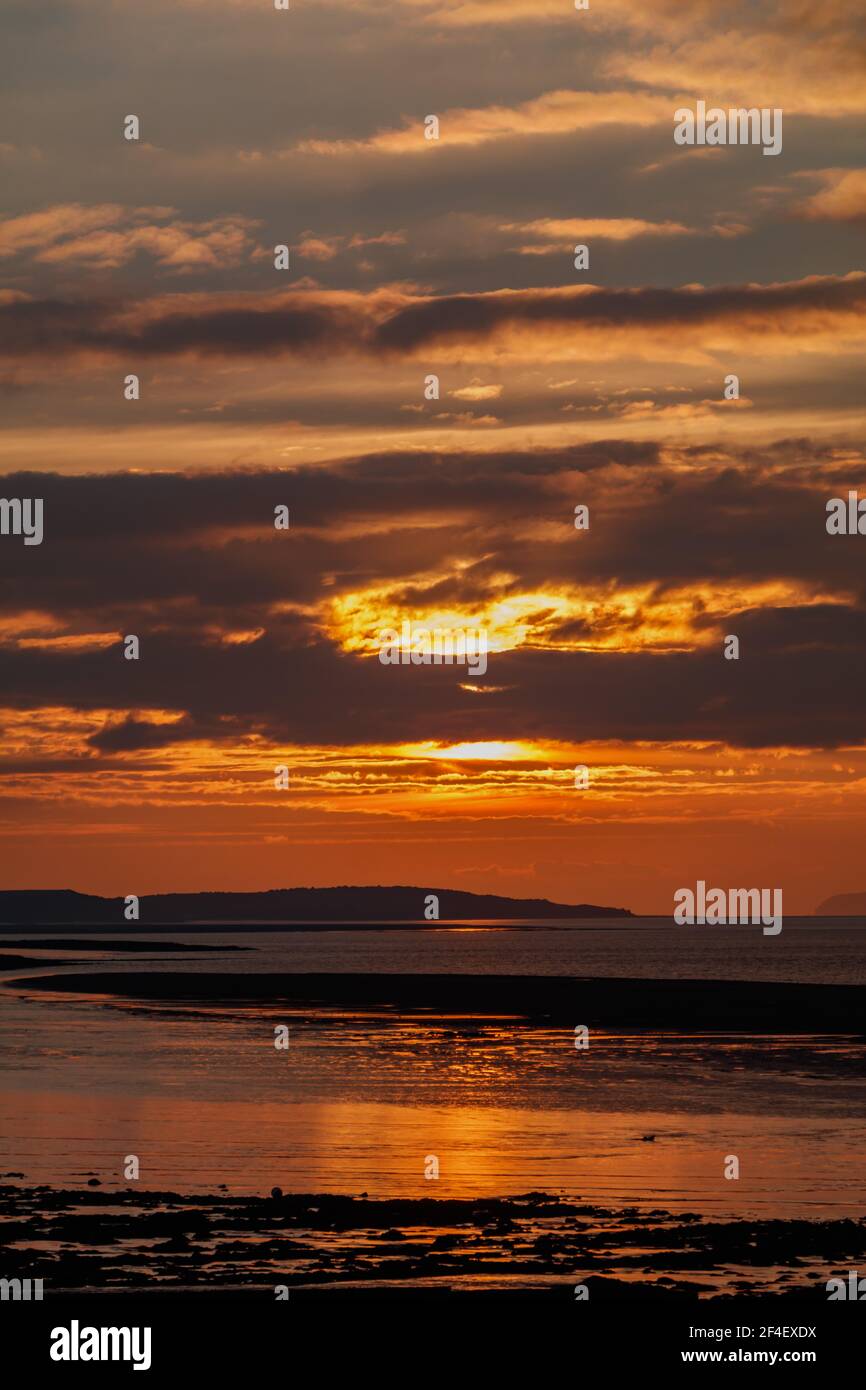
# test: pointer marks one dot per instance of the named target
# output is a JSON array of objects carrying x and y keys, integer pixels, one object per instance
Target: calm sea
[{"x": 202, "y": 1098}]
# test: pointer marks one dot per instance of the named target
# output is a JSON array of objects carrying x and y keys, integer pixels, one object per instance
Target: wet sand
[
  {"x": 148, "y": 1241},
  {"x": 331, "y": 1245},
  {"x": 97, "y": 944},
  {"x": 709, "y": 1005}
]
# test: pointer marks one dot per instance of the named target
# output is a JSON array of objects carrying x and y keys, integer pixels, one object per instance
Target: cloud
[
  {"x": 842, "y": 199},
  {"x": 384, "y": 239},
  {"x": 568, "y": 322},
  {"x": 250, "y": 325},
  {"x": 618, "y": 13},
  {"x": 319, "y": 248},
  {"x": 325, "y": 248},
  {"x": 477, "y": 391},
  {"x": 36, "y": 230},
  {"x": 549, "y": 235},
  {"x": 756, "y": 66},
  {"x": 553, "y": 113},
  {"x": 684, "y": 410},
  {"x": 225, "y": 693},
  {"x": 242, "y": 638},
  {"x": 108, "y": 235},
  {"x": 559, "y": 323},
  {"x": 465, "y": 417}
]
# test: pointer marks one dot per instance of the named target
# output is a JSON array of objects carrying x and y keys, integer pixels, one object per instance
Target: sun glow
[
  {"x": 462, "y": 752},
  {"x": 602, "y": 617}
]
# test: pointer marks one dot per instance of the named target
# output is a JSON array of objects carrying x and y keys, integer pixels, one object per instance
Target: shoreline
[
  {"x": 231, "y": 925},
  {"x": 600, "y": 1002},
  {"x": 127, "y": 1242}
]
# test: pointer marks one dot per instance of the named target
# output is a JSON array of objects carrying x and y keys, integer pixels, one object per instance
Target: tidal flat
[{"x": 115, "y": 1241}]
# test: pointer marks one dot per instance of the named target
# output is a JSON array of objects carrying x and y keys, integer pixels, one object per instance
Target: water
[
  {"x": 356, "y": 1104},
  {"x": 813, "y": 950}
]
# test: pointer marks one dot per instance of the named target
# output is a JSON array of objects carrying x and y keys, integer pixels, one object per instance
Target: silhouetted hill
[
  {"x": 65, "y": 907},
  {"x": 843, "y": 905}
]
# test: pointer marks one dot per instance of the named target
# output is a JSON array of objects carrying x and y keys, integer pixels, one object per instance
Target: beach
[
  {"x": 534, "y": 1244},
  {"x": 581, "y": 1124}
]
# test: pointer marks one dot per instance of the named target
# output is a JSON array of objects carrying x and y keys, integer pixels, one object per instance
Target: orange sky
[{"x": 450, "y": 508}]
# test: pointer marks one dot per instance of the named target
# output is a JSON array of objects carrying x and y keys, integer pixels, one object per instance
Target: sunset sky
[{"x": 306, "y": 388}]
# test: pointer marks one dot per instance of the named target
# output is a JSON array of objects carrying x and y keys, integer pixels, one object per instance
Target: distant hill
[
  {"x": 843, "y": 905},
  {"x": 67, "y": 908}
]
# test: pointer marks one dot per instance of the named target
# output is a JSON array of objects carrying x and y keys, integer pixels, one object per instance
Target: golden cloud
[
  {"x": 842, "y": 199},
  {"x": 554, "y": 113}
]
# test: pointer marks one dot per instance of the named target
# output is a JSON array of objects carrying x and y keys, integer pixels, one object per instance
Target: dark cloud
[
  {"x": 462, "y": 317},
  {"x": 308, "y": 322},
  {"x": 800, "y": 680},
  {"x": 667, "y": 516},
  {"x": 229, "y": 611},
  {"x": 39, "y": 326},
  {"x": 131, "y": 735}
]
